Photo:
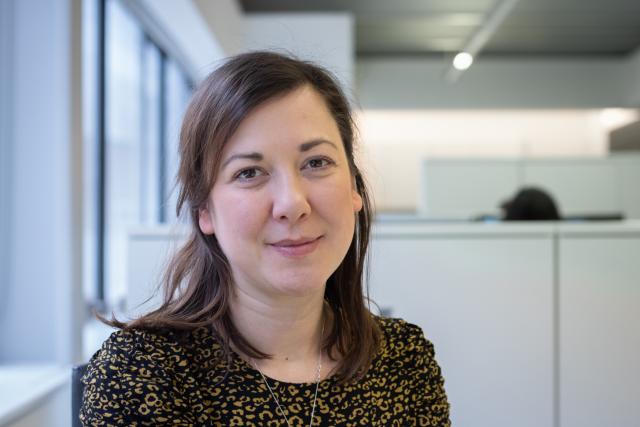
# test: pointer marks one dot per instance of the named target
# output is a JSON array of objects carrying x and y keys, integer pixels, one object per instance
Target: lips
[
  {"x": 295, "y": 242},
  {"x": 296, "y": 247}
]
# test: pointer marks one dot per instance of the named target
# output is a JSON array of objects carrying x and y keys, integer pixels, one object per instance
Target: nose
[{"x": 290, "y": 201}]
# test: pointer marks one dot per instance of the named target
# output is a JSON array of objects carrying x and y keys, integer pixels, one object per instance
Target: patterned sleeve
[
  {"x": 132, "y": 381},
  {"x": 430, "y": 400}
]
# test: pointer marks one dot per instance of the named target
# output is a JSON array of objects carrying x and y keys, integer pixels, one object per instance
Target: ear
[
  {"x": 357, "y": 200},
  {"x": 205, "y": 221}
]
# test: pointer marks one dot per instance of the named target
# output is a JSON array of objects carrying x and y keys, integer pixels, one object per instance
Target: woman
[{"x": 264, "y": 320}]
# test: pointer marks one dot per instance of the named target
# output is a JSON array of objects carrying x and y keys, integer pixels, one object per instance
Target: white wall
[
  {"x": 498, "y": 108},
  {"x": 632, "y": 79},
  {"x": 42, "y": 308},
  {"x": 493, "y": 83},
  {"x": 201, "y": 33},
  {"x": 226, "y": 22},
  {"x": 191, "y": 32},
  {"x": 400, "y": 140},
  {"x": 326, "y": 38}
]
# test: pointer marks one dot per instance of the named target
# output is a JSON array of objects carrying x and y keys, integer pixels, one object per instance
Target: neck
[{"x": 288, "y": 329}]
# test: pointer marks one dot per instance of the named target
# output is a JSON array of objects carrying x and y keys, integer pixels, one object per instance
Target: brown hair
[{"x": 197, "y": 282}]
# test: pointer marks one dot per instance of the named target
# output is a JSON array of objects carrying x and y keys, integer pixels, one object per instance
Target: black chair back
[{"x": 77, "y": 389}]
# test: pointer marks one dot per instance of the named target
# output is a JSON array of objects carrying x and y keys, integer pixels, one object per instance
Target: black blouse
[{"x": 142, "y": 378}]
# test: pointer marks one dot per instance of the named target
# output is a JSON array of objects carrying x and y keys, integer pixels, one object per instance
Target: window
[
  {"x": 132, "y": 137},
  {"x": 178, "y": 93}
]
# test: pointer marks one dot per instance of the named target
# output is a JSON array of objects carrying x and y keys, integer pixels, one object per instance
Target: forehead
[{"x": 292, "y": 118}]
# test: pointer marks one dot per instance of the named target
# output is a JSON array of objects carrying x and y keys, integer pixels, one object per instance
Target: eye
[
  {"x": 319, "y": 163},
  {"x": 248, "y": 174}
]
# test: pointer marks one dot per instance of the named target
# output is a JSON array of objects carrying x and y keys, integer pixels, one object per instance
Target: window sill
[{"x": 23, "y": 387}]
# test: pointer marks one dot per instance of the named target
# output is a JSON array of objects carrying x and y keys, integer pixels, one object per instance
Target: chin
[{"x": 300, "y": 284}]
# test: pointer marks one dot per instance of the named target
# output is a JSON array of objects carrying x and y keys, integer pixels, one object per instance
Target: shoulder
[
  {"x": 138, "y": 348},
  {"x": 135, "y": 352},
  {"x": 402, "y": 336},
  {"x": 405, "y": 347},
  {"x": 396, "y": 327},
  {"x": 137, "y": 376},
  {"x": 171, "y": 350},
  {"x": 407, "y": 357}
]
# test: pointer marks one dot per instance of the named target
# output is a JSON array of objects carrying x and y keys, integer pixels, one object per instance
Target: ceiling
[{"x": 436, "y": 27}]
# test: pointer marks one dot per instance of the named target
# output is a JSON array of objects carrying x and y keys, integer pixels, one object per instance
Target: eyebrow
[
  {"x": 309, "y": 145},
  {"x": 251, "y": 156},
  {"x": 306, "y": 146}
]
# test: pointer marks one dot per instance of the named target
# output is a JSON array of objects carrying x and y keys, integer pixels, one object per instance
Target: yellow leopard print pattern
[{"x": 142, "y": 378}]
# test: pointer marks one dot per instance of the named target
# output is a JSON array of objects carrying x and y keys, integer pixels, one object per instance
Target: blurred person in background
[{"x": 531, "y": 204}]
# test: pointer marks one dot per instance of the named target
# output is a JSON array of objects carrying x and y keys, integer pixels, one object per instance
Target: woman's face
[{"x": 283, "y": 203}]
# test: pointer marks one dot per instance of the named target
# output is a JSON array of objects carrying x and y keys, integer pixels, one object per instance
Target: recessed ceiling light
[{"x": 462, "y": 61}]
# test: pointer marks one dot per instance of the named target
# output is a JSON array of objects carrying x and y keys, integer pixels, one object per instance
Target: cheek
[
  {"x": 236, "y": 216},
  {"x": 337, "y": 203}
]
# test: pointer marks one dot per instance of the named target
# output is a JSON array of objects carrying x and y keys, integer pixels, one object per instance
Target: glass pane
[
  {"x": 150, "y": 156},
  {"x": 178, "y": 94},
  {"x": 124, "y": 42}
]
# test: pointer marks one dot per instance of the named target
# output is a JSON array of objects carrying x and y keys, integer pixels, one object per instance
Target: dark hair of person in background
[
  {"x": 197, "y": 283},
  {"x": 531, "y": 204}
]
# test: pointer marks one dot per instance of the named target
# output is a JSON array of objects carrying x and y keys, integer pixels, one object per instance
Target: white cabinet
[
  {"x": 533, "y": 324},
  {"x": 486, "y": 302},
  {"x": 600, "y": 330}
]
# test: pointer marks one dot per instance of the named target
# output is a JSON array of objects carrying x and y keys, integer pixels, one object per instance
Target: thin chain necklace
[{"x": 317, "y": 381}]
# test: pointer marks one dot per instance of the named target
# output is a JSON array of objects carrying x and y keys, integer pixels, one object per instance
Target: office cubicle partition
[{"x": 533, "y": 324}]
